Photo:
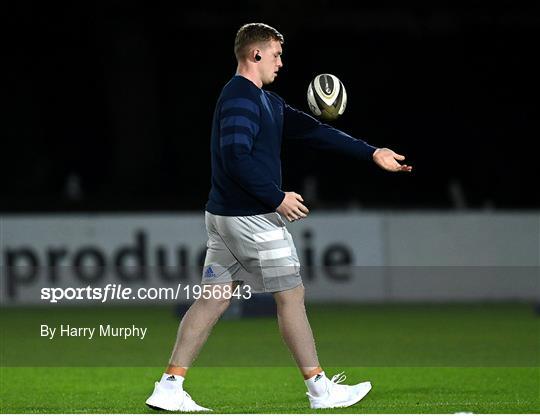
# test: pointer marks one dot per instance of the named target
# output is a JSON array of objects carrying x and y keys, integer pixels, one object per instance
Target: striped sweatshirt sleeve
[
  {"x": 239, "y": 122},
  {"x": 299, "y": 125}
]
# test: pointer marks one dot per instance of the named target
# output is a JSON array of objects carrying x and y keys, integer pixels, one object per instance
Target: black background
[{"x": 110, "y": 104}]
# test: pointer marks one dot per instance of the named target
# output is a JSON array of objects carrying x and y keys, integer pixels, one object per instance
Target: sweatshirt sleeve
[
  {"x": 301, "y": 126},
  {"x": 239, "y": 121}
]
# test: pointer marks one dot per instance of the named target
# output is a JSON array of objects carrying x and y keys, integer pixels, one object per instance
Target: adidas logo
[
  {"x": 171, "y": 378},
  {"x": 209, "y": 272},
  {"x": 319, "y": 376}
]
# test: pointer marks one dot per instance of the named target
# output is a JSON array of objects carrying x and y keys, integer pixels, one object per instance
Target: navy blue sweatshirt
[{"x": 247, "y": 130}]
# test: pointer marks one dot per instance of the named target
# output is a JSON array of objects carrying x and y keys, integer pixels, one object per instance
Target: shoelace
[{"x": 338, "y": 378}]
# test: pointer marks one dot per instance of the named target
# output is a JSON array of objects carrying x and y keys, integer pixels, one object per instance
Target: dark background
[{"x": 110, "y": 104}]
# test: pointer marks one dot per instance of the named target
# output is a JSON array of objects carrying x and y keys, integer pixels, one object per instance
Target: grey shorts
[{"x": 256, "y": 250}]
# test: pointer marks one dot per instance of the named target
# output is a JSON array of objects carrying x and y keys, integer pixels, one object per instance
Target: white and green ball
[{"x": 326, "y": 97}]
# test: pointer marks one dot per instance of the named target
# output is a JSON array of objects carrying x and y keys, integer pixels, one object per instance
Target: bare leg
[
  {"x": 194, "y": 329},
  {"x": 295, "y": 329}
]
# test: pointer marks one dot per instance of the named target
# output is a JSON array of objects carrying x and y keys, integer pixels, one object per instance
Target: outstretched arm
[{"x": 299, "y": 125}]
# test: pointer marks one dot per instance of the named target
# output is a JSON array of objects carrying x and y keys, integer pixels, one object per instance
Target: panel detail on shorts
[
  {"x": 285, "y": 270},
  {"x": 269, "y": 236},
  {"x": 276, "y": 253}
]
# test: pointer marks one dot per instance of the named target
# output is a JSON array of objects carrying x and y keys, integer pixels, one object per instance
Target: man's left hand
[{"x": 388, "y": 160}]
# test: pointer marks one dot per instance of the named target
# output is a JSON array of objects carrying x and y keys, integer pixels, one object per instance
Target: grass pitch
[{"x": 419, "y": 358}]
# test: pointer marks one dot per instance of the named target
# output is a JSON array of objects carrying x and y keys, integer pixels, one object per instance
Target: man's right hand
[{"x": 292, "y": 208}]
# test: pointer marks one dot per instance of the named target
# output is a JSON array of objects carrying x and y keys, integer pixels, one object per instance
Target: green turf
[
  {"x": 272, "y": 390},
  {"x": 420, "y": 359}
]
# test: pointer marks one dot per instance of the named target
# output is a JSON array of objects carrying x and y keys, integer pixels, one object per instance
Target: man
[{"x": 247, "y": 238}]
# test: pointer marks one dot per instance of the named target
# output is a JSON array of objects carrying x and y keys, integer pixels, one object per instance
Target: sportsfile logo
[{"x": 114, "y": 292}]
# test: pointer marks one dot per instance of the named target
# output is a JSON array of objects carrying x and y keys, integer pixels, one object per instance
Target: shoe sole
[
  {"x": 157, "y": 408},
  {"x": 349, "y": 403},
  {"x": 153, "y": 407}
]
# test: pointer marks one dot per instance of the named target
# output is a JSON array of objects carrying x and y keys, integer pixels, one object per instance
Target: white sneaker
[
  {"x": 339, "y": 395},
  {"x": 173, "y": 399}
]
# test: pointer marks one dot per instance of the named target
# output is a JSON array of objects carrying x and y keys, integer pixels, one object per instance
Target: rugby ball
[{"x": 326, "y": 97}]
